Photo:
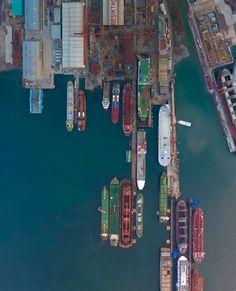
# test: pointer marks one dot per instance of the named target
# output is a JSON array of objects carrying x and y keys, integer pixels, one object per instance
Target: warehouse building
[
  {"x": 32, "y": 60},
  {"x": 72, "y": 35},
  {"x": 113, "y": 12},
  {"x": 33, "y": 14},
  {"x": 17, "y": 7}
]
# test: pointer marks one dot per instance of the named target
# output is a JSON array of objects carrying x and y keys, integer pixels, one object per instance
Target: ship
[
  {"x": 198, "y": 236},
  {"x": 143, "y": 88},
  {"x": 165, "y": 269},
  {"x": 164, "y": 136},
  {"x": 70, "y": 106},
  {"x": 104, "y": 212},
  {"x": 114, "y": 223},
  {"x": 141, "y": 158},
  {"x": 127, "y": 121},
  {"x": 182, "y": 274},
  {"x": 126, "y": 214},
  {"x": 36, "y": 100},
  {"x": 226, "y": 83},
  {"x": 184, "y": 123},
  {"x": 81, "y": 111},
  {"x": 197, "y": 282},
  {"x": 182, "y": 226},
  {"x": 163, "y": 199},
  {"x": 106, "y": 96},
  {"x": 115, "y": 103},
  {"x": 139, "y": 215}
]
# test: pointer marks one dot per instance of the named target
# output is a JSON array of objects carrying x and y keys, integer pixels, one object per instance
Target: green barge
[
  {"x": 104, "y": 212},
  {"x": 114, "y": 218},
  {"x": 163, "y": 199}
]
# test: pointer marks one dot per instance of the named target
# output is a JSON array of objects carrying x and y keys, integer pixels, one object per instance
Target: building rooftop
[{"x": 32, "y": 14}]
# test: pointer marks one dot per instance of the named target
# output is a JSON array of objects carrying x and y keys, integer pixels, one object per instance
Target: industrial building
[
  {"x": 72, "y": 35},
  {"x": 33, "y": 14},
  {"x": 17, "y": 7},
  {"x": 113, "y": 12},
  {"x": 8, "y": 44},
  {"x": 32, "y": 60}
]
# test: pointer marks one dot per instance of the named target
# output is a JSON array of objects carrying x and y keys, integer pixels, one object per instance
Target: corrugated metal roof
[
  {"x": 17, "y": 7},
  {"x": 56, "y": 31},
  {"x": 113, "y": 12},
  {"x": 32, "y": 11},
  {"x": 32, "y": 60},
  {"x": 72, "y": 43}
]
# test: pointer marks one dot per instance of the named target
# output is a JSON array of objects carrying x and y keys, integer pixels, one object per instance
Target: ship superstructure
[
  {"x": 141, "y": 158},
  {"x": 182, "y": 274},
  {"x": 70, "y": 106},
  {"x": 164, "y": 136},
  {"x": 163, "y": 199},
  {"x": 127, "y": 121},
  {"x": 181, "y": 218},
  {"x": 165, "y": 269},
  {"x": 104, "y": 212},
  {"x": 106, "y": 96},
  {"x": 139, "y": 215},
  {"x": 114, "y": 217},
  {"x": 198, "y": 236},
  {"x": 126, "y": 214}
]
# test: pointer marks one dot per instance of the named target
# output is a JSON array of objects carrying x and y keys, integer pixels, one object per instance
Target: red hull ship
[
  {"x": 197, "y": 281},
  {"x": 198, "y": 236},
  {"x": 115, "y": 103},
  {"x": 81, "y": 111},
  {"x": 126, "y": 214},
  {"x": 127, "y": 109}
]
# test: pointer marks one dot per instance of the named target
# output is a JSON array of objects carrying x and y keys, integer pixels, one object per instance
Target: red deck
[
  {"x": 127, "y": 109},
  {"x": 126, "y": 214},
  {"x": 81, "y": 111},
  {"x": 197, "y": 281},
  {"x": 198, "y": 236}
]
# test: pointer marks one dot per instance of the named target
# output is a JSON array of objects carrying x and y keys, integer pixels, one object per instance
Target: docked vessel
[
  {"x": 141, "y": 158},
  {"x": 164, "y": 136},
  {"x": 126, "y": 214},
  {"x": 70, "y": 106},
  {"x": 184, "y": 123},
  {"x": 114, "y": 223},
  {"x": 106, "y": 96},
  {"x": 182, "y": 274},
  {"x": 127, "y": 121},
  {"x": 143, "y": 88},
  {"x": 81, "y": 111},
  {"x": 36, "y": 100},
  {"x": 165, "y": 270},
  {"x": 139, "y": 215},
  {"x": 115, "y": 103},
  {"x": 163, "y": 199},
  {"x": 104, "y": 212},
  {"x": 181, "y": 218},
  {"x": 197, "y": 282},
  {"x": 198, "y": 236},
  {"x": 226, "y": 83}
]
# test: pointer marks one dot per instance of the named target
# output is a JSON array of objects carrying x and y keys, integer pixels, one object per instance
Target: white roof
[
  {"x": 72, "y": 41},
  {"x": 113, "y": 12}
]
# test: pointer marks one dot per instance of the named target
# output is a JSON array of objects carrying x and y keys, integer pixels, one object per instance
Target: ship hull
[
  {"x": 70, "y": 107},
  {"x": 197, "y": 282},
  {"x": 165, "y": 269},
  {"x": 163, "y": 199},
  {"x": 115, "y": 103},
  {"x": 141, "y": 159},
  {"x": 182, "y": 226},
  {"x": 104, "y": 213},
  {"x": 164, "y": 136},
  {"x": 182, "y": 274},
  {"x": 106, "y": 96},
  {"x": 139, "y": 215},
  {"x": 114, "y": 224},
  {"x": 126, "y": 214},
  {"x": 81, "y": 111},
  {"x": 127, "y": 110},
  {"x": 198, "y": 236}
]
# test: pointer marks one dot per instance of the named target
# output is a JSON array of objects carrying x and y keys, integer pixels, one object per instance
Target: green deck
[
  {"x": 104, "y": 210},
  {"x": 163, "y": 198},
  {"x": 144, "y": 71},
  {"x": 143, "y": 100},
  {"x": 114, "y": 224}
]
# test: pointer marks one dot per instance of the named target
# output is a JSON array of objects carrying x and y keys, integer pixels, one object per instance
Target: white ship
[
  {"x": 106, "y": 96},
  {"x": 70, "y": 106},
  {"x": 141, "y": 158},
  {"x": 164, "y": 136},
  {"x": 184, "y": 123},
  {"x": 182, "y": 274}
]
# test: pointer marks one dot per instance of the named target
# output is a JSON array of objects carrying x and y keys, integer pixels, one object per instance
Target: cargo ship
[
  {"x": 126, "y": 214},
  {"x": 165, "y": 270},
  {"x": 143, "y": 88},
  {"x": 114, "y": 223},
  {"x": 198, "y": 236},
  {"x": 141, "y": 158},
  {"x": 139, "y": 215},
  {"x": 115, "y": 103},
  {"x": 197, "y": 282},
  {"x": 36, "y": 100},
  {"x": 104, "y": 212},
  {"x": 163, "y": 199},
  {"x": 106, "y": 96},
  {"x": 70, "y": 106},
  {"x": 182, "y": 274},
  {"x": 81, "y": 111},
  {"x": 226, "y": 83},
  {"x": 127, "y": 121},
  {"x": 164, "y": 136},
  {"x": 181, "y": 218}
]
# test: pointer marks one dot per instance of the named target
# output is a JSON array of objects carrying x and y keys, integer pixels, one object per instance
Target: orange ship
[
  {"x": 126, "y": 214},
  {"x": 127, "y": 109},
  {"x": 81, "y": 111},
  {"x": 197, "y": 281},
  {"x": 198, "y": 236}
]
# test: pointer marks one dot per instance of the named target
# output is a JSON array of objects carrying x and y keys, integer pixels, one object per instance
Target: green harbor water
[{"x": 51, "y": 182}]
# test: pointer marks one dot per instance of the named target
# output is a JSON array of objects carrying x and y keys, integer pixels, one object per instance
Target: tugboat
[{"x": 115, "y": 103}]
